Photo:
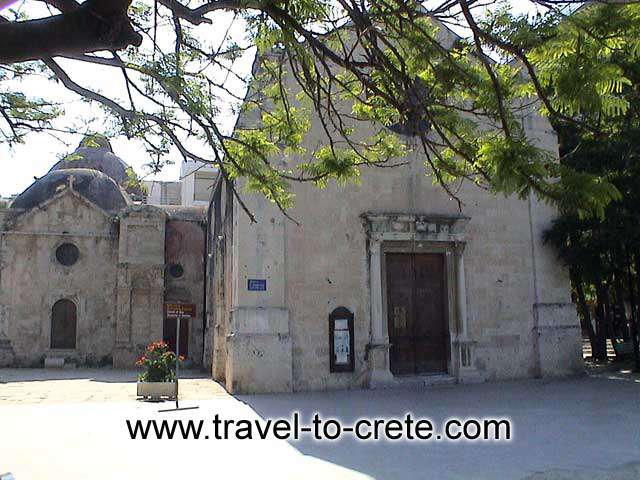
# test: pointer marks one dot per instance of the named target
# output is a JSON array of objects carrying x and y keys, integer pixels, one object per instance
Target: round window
[
  {"x": 176, "y": 270},
  {"x": 67, "y": 254}
]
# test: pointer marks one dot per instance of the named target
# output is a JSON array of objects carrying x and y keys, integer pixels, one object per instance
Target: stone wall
[
  {"x": 322, "y": 263},
  {"x": 117, "y": 284},
  {"x": 140, "y": 282},
  {"x": 519, "y": 319},
  {"x": 221, "y": 267},
  {"x": 32, "y": 280}
]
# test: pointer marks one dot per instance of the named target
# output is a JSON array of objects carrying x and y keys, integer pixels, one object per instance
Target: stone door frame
[{"x": 417, "y": 233}]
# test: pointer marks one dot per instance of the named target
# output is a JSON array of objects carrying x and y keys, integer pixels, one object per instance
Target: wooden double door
[{"x": 417, "y": 315}]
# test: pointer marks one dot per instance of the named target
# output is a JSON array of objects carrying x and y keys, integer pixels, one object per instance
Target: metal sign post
[
  {"x": 178, "y": 318},
  {"x": 179, "y": 311}
]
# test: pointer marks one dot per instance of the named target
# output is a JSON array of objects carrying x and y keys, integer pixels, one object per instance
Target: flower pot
[{"x": 157, "y": 390}]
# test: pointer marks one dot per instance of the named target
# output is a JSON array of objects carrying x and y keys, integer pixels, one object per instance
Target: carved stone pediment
[{"x": 417, "y": 227}]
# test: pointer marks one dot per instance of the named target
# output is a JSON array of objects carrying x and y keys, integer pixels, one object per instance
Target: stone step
[
  {"x": 420, "y": 381},
  {"x": 586, "y": 348},
  {"x": 53, "y": 362}
]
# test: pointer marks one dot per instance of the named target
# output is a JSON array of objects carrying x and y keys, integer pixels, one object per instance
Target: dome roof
[
  {"x": 95, "y": 152},
  {"x": 95, "y": 186}
]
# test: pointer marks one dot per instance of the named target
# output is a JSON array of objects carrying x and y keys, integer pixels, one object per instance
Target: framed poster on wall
[{"x": 341, "y": 354}]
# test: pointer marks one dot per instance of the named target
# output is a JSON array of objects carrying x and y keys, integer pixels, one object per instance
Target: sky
[{"x": 21, "y": 164}]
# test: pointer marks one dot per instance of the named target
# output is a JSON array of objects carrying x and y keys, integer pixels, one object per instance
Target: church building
[
  {"x": 87, "y": 268},
  {"x": 386, "y": 282}
]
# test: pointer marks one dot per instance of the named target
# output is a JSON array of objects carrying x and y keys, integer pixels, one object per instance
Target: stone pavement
[
  {"x": 75, "y": 385},
  {"x": 578, "y": 429},
  {"x": 572, "y": 429}
]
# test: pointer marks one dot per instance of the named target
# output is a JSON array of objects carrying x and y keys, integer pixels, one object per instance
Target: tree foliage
[
  {"x": 603, "y": 250},
  {"x": 379, "y": 78}
]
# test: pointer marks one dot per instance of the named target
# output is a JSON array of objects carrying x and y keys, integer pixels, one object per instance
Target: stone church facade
[
  {"x": 387, "y": 283},
  {"x": 86, "y": 268},
  {"x": 436, "y": 295}
]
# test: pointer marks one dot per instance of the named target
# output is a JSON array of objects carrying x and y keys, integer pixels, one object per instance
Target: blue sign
[{"x": 257, "y": 285}]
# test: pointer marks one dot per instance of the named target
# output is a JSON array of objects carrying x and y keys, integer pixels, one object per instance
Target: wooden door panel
[
  {"x": 430, "y": 325},
  {"x": 431, "y": 355},
  {"x": 429, "y": 295},
  {"x": 402, "y": 356},
  {"x": 400, "y": 312},
  {"x": 416, "y": 308}
]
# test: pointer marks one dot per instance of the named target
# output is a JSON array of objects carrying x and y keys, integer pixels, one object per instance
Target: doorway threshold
[{"x": 421, "y": 381}]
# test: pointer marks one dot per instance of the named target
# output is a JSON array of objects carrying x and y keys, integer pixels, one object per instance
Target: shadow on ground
[{"x": 584, "y": 428}]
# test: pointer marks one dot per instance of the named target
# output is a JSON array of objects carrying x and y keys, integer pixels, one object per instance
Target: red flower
[
  {"x": 141, "y": 360},
  {"x": 159, "y": 361}
]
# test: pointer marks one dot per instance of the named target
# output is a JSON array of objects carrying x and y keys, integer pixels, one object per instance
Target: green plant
[
  {"x": 159, "y": 363},
  {"x": 384, "y": 82}
]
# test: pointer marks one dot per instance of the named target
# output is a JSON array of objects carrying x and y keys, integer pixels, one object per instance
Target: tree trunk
[
  {"x": 634, "y": 311},
  {"x": 619, "y": 312},
  {"x": 609, "y": 314},
  {"x": 585, "y": 313},
  {"x": 600, "y": 352}
]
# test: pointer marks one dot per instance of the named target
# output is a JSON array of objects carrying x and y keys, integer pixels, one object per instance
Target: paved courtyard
[
  {"x": 585, "y": 428},
  {"x": 37, "y": 385}
]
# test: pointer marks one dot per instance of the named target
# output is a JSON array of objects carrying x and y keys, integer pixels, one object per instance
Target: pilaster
[{"x": 378, "y": 353}]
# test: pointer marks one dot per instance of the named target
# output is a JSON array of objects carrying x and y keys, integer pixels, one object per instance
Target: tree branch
[
  {"x": 93, "y": 26},
  {"x": 64, "y": 6},
  {"x": 196, "y": 16}
]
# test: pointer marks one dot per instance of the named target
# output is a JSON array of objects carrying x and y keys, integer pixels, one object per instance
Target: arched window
[{"x": 63, "y": 324}]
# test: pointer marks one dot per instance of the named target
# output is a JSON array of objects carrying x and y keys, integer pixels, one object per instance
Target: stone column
[
  {"x": 4, "y": 327},
  {"x": 122, "y": 351},
  {"x": 379, "y": 373},
  {"x": 461, "y": 289},
  {"x": 123, "y": 306},
  {"x": 467, "y": 371}
]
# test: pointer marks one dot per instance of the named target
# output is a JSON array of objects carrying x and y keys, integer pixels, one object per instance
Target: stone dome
[
  {"x": 95, "y": 152},
  {"x": 95, "y": 186}
]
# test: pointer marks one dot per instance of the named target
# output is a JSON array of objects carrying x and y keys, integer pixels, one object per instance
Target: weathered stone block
[
  {"x": 124, "y": 357},
  {"x": 53, "y": 362},
  {"x": 560, "y": 345},
  {"x": 259, "y": 363},
  {"x": 6, "y": 353},
  {"x": 260, "y": 320}
]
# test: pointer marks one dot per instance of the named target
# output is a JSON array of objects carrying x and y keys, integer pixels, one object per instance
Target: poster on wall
[
  {"x": 341, "y": 340},
  {"x": 341, "y": 344}
]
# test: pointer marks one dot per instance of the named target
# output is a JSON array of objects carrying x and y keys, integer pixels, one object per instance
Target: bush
[{"x": 159, "y": 363}]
